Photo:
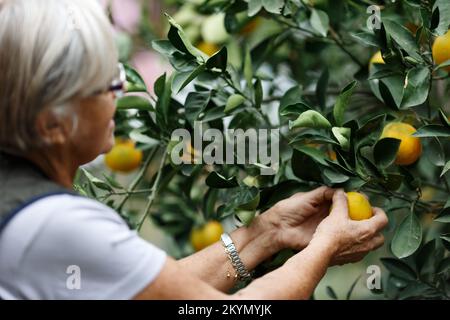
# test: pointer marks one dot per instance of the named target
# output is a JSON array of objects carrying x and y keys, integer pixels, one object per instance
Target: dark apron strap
[{"x": 17, "y": 210}]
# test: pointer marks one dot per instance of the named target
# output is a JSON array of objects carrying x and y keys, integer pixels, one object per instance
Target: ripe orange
[
  {"x": 251, "y": 26},
  {"x": 206, "y": 235},
  {"x": 124, "y": 157},
  {"x": 208, "y": 48},
  {"x": 441, "y": 49},
  {"x": 376, "y": 58},
  {"x": 410, "y": 148},
  {"x": 359, "y": 207},
  {"x": 332, "y": 155}
]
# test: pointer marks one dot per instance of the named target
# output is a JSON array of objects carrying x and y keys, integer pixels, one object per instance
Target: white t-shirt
[{"x": 68, "y": 247}]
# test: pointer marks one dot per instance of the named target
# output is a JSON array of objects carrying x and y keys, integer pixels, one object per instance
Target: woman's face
[{"x": 95, "y": 130}]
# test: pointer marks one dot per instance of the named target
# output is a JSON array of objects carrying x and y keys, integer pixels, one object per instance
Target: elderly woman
[{"x": 59, "y": 79}]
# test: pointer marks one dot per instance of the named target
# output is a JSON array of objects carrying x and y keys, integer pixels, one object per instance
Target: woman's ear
[{"x": 52, "y": 127}]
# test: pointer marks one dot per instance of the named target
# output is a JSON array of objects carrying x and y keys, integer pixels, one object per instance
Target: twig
[
  {"x": 138, "y": 178},
  {"x": 337, "y": 39},
  {"x": 154, "y": 191}
]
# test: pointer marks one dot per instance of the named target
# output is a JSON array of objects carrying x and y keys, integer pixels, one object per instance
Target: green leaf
[
  {"x": 163, "y": 92},
  {"x": 343, "y": 136},
  {"x": 368, "y": 133},
  {"x": 244, "y": 198},
  {"x": 331, "y": 293},
  {"x": 367, "y": 38},
  {"x": 385, "y": 151},
  {"x": 254, "y": 6},
  {"x": 446, "y": 240},
  {"x": 216, "y": 180},
  {"x": 392, "y": 91},
  {"x": 444, "y": 215},
  {"x": 113, "y": 182},
  {"x": 246, "y": 216},
  {"x": 417, "y": 89},
  {"x": 320, "y": 22},
  {"x": 219, "y": 60},
  {"x": 443, "y": 65},
  {"x": 444, "y": 14},
  {"x": 426, "y": 259},
  {"x": 335, "y": 177},
  {"x": 135, "y": 83},
  {"x": 248, "y": 68},
  {"x": 321, "y": 89},
  {"x": 96, "y": 181},
  {"x": 273, "y": 6},
  {"x": 432, "y": 130},
  {"x": 403, "y": 37},
  {"x": 352, "y": 287},
  {"x": 444, "y": 119},
  {"x": 181, "y": 41},
  {"x": 417, "y": 290},
  {"x": 134, "y": 102},
  {"x": 305, "y": 167},
  {"x": 310, "y": 119},
  {"x": 195, "y": 104},
  {"x": 445, "y": 169},
  {"x": 137, "y": 136},
  {"x": 313, "y": 136},
  {"x": 444, "y": 266},
  {"x": 318, "y": 155},
  {"x": 399, "y": 268},
  {"x": 294, "y": 110},
  {"x": 393, "y": 181},
  {"x": 435, "y": 152},
  {"x": 408, "y": 237},
  {"x": 233, "y": 102},
  {"x": 182, "y": 79},
  {"x": 258, "y": 93},
  {"x": 164, "y": 47},
  {"x": 342, "y": 103},
  {"x": 292, "y": 97}
]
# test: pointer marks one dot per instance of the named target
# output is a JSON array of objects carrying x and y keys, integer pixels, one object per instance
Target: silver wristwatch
[{"x": 231, "y": 251}]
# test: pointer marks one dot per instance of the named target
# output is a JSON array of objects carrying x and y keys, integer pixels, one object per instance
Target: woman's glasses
[{"x": 118, "y": 83}]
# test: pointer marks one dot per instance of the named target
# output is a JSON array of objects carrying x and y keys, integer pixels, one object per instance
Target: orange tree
[{"x": 360, "y": 109}]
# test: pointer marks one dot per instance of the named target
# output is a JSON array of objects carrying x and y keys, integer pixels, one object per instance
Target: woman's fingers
[
  {"x": 318, "y": 195},
  {"x": 377, "y": 242},
  {"x": 378, "y": 222},
  {"x": 340, "y": 205}
]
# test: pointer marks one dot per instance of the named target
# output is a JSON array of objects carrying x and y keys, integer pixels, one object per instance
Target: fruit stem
[
  {"x": 416, "y": 202},
  {"x": 154, "y": 190},
  {"x": 337, "y": 39},
  {"x": 138, "y": 178}
]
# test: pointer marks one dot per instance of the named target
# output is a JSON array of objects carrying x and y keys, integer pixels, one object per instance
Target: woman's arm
[
  {"x": 289, "y": 224},
  {"x": 337, "y": 235},
  {"x": 255, "y": 244},
  {"x": 295, "y": 280}
]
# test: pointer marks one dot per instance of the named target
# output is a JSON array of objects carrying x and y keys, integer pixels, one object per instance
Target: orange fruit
[
  {"x": 206, "y": 235},
  {"x": 251, "y": 26},
  {"x": 208, "y": 48},
  {"x": 124, "y": 157},
  {"x": 376, "y": 58},
  {"x": 332, "y": 155},
  {"x": 359, "y": 207},
  {"x": 410, "y": 148},
  {"x": 441, "y": 49}
]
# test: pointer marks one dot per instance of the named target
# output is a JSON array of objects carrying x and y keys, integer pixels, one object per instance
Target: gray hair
[{"x": 51, "y": 53}]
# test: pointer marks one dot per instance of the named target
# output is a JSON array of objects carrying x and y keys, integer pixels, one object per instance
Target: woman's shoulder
[
  {"x": 58, "y": 217},
  {"x": 67, "y": 207}
]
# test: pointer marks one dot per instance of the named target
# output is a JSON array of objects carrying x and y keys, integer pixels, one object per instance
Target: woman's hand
[
  {"x": 295, "y": 219},
  {"x": 349, "y": 240}
]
